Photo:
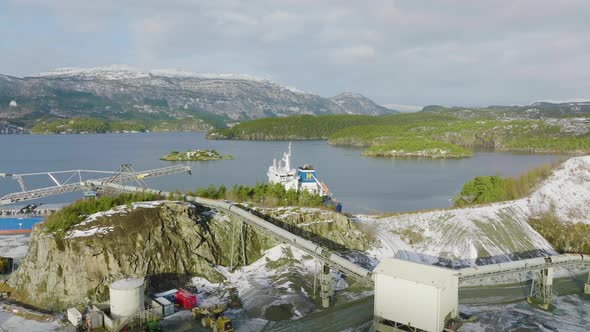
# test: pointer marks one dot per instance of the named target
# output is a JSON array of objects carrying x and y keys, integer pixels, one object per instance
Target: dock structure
[{"x": 75, "y": 181}]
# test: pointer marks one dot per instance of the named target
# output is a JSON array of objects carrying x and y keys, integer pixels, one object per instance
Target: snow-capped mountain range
[
  {"x": 118, "y": 72},
  {"x": 122, "y": 92}
]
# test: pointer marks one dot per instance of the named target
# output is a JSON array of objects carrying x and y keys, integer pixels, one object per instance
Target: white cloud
[
  {"x": 411, "y": 52},
  {"x": 354, "y": 53}
]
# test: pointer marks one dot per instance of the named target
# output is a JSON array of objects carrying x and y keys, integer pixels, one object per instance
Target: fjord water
[{"x": 363, "y": 185}]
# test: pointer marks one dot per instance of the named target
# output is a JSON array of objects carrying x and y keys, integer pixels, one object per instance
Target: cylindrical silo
[{"x": 126, "y": 297}]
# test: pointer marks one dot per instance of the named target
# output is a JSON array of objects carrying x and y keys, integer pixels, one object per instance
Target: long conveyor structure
[{"x": 542, "y": 267}]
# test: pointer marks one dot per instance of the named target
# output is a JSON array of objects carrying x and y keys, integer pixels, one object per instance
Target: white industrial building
[{"x": 414, "y": 297}]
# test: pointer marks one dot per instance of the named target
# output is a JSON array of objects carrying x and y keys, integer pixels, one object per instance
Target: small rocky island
[{"x": 195, "y": 155}]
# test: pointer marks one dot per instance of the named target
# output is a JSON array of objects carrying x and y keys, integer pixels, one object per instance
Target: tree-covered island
[{"x": 195, "y": 155}]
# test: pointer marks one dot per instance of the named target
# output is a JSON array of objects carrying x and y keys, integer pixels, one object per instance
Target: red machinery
[{"x": 185, "y": 299}]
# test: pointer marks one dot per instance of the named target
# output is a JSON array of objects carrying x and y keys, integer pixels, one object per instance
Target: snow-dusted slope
[
  {"x": 567, "y": 192},
  {"x": 118, "y": 72},
  {"x": 355, "y": 103},
  {"x": 489, "y": 233},
  {"x": 115, "y": 90}
]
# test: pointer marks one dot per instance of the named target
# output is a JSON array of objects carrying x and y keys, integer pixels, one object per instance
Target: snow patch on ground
[
  {"x": 88, "y": 232},
  {"x": 571, "y": 314},
  {"x": 13, "y": 323},
  {"x": 119, "y": 210},
  {"x": 116, "y": 211},
  {"x": 146, "y": 205},
  {"x": 273, "y": 280},
  {"x": 15, "y": 246}
]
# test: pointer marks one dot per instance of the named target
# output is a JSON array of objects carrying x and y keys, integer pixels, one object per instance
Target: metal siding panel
[{"x": 406, "y": 302}]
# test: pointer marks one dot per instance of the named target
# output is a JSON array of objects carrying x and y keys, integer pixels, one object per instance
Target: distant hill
[
  {"x": 355, "y": 103},
  {"x": 122, "y": 93},
  {"x": 534, "y": 111}
]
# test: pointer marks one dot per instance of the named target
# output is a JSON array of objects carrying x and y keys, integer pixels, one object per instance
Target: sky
[{"x": 414, "y": 52}]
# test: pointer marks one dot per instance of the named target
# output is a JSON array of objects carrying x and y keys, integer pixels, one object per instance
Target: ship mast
[{"x": 287, "y": 158}]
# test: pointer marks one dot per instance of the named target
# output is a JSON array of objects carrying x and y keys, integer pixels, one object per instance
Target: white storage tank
[{"x": 126, "y": 297}]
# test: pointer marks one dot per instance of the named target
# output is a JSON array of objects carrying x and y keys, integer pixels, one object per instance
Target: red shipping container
[{"x": 185, "y": 299}]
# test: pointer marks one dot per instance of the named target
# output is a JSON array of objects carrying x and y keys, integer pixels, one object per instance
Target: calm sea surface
[{"x": 365, "y": 185}]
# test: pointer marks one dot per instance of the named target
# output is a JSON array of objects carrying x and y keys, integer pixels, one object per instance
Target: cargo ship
[{"x": 302, "y": 178}]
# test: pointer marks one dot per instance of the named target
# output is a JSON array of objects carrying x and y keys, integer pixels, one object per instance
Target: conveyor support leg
[
  {"x": 587, "y": 285},
  {"x": 542, "y": 288},
  {"x": 326, "y": 289}
]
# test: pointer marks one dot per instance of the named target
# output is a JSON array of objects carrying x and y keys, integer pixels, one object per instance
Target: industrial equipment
[
  {"x": 90, "y": 193},
  {"x": 74, "y": 317},
  {"x": 126, "y": 297},
  {"x": 168, "y": 295},
  {"x": 164, "y": 306},
  {"x": 185, "y": 299},
  {"x": 213, "y": 318},
  {"x": 411, "y": 296}
]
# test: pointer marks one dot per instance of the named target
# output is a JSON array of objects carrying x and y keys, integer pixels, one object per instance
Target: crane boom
[{"x": 62, "y": 188}]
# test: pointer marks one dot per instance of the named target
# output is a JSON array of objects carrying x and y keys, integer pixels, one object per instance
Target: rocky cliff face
[{"x": 166, "y": 243}]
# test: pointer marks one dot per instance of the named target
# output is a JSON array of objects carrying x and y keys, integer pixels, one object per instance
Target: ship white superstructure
[
  {"x": 281, "y": 172},
  {"x": 302, "y": 178}
]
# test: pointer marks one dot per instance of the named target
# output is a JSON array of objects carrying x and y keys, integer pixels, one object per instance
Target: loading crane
[{"x": 75, "y": 180}]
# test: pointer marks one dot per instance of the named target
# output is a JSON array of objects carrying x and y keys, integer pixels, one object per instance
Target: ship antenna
[{"x": 288, "y": 158}]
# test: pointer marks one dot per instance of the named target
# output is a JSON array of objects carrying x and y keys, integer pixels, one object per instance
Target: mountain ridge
[
  {"x": 123, "y": 93},
  {"x": 356, "y": 103}
]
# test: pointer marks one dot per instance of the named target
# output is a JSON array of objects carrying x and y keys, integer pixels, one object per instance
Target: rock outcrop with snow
[
  {"x": 161, "y": 242},
  {"x": 167, "y": 243},
  {"x": 488, "y": 233}
]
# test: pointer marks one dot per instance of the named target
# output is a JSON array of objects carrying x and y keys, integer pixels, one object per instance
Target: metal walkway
[
  {"x": 522, "y": 266},
  {"x": 75, "y": 181}
]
